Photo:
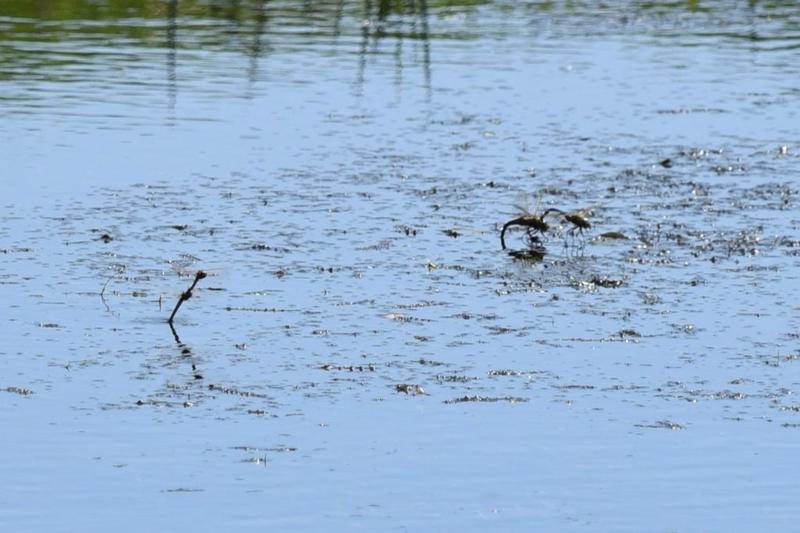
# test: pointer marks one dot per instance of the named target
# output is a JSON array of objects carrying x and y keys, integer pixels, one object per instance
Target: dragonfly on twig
[{"x": 535, "y": 225}]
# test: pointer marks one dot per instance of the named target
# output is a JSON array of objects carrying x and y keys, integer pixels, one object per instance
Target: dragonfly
[
  {"x": 578, "y": 221},
  {"x": 535, "y": 225}
]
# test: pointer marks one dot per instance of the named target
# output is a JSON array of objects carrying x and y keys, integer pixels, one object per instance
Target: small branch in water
[{"x": 186, "y": 294}]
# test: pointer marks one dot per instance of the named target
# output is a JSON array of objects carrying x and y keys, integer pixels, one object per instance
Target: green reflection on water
[{"x": 63, "y": 10}]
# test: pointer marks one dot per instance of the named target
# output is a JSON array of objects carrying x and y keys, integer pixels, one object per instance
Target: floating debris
[
  {"x": 688, "y": 329},
  {"x": 380, "y": 245},
  {"x": 257, "y": 310},
  {"x": 613, "y": 235},
  {"x": 405, "y": 318},
  {"x": 531, "y": 255},
  {"x": 409, "y": 388},
  {"x": 628, "y": 333},
  {"x": 648, "y": 298},
  {"x": 235, "y": 392},
  {"x": 597, "y": 281},
  {"x": 421, "y": 304},
  {"x": 504, "y": 372},
  {"x": 606, "y": 283},
  {"x": 729, "y": 395},
  {"x": 349, "y": 368},
  {"x": 661, "y": 424},
  {"x": 408, "y": 230},
  {"x": 22, "y": 391},
  {"x": 454, "y": 378},
  {"x": 488, "y": 399}
]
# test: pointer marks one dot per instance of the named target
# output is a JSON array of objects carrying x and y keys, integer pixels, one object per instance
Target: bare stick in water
[{"x": 186, "y": 294}]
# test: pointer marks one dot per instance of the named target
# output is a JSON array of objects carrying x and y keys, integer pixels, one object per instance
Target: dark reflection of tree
[
  {"x": 337, "y": 18},
  {"x": 375, "y": 30},
  {"x": 426, "y": 45},
  {"x": 172, "y": 57},
  {"x": 362, "y": 50},
  {"x": 257, "y": 46}
]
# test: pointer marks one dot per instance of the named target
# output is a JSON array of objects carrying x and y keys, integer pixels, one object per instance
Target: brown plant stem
[{"x": 186, "y": 294}]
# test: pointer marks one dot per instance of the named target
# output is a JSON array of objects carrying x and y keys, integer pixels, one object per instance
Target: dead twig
[{"x": 186, "y": 294}]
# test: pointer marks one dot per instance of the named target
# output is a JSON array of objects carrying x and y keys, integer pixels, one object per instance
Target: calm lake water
[{"x": 363, "y": 354}]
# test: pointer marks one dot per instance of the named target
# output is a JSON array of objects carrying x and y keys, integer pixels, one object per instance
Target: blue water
[{"x": 343, "y": 176}]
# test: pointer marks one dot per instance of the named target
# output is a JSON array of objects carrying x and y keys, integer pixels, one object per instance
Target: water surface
[{"x": 363, "y": 354}]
